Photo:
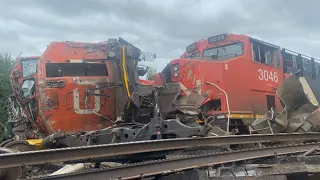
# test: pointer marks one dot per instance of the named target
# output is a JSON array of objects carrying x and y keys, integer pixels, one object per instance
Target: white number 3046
[{"x": 265, "y": 75}]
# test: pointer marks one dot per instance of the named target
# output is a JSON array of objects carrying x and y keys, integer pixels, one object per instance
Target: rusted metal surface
[
  {"x": 89, "y": 152},
  {"x": 151, "y": 168}
]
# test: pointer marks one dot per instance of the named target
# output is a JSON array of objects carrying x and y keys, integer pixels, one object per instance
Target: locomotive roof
[{"x": 263, "y": 42}]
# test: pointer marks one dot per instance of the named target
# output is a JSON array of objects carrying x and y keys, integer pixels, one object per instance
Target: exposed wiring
[
  {"x": 125, "y": 75},
  {"x": 227, "y": 101}
]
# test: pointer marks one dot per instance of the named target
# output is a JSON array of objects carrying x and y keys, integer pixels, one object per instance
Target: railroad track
[
  {"x": 151, "y": 168},
  {"x": 90, "y": 153},
  {"x": 102, "y": 151}
]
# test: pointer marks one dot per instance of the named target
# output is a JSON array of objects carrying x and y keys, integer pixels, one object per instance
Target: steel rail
[
  {"x": 179, "y": 164},
  {"x": 109, "y": 150}
]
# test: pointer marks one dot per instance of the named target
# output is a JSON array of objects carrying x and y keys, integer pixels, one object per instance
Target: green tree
[
  {"x": 6, "y": 65},
  {"x": 151, "y": 72}
]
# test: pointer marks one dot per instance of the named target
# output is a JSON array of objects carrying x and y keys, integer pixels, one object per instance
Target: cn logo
[{"x": 76, "y": 103}]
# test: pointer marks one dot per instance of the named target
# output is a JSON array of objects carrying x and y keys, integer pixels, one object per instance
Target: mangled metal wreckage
[
  {"x": 68, "y": 111},
  {"x": 94, "y": 90},
  {"x": 299, "y": 114},
  {"x": 95, "y": 87},
  {"x": 74, "y": 87}
]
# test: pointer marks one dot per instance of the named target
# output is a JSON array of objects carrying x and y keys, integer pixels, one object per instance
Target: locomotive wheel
[
  {"x": 12, "y": 173},
  {"x": 5, "y": 142},
  {"x": 20, "y": 145}
]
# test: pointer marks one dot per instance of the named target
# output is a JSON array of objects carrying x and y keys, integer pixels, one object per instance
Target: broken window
[
  {"x": 307, "y": 66},
  {"x": 294, "y": 62},
  {"x": 224, "y": 52},
  {"x": 288, "y": 61},
  {"x": 75, "y": 69},
  {"x": 29, "y": 67},
  {"x": 265, "y": 54},
  {"x": 27, "y": 88}
]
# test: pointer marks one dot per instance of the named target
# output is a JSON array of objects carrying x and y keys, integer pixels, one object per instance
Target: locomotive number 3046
[{"x": 264, "y": 75}]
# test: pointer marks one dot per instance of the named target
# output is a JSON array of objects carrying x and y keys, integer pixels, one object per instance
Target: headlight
[{"x": 176, "y": 70}]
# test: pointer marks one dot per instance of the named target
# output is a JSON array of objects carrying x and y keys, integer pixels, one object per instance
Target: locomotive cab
[
  {"x": 75, "y": 87},
  {"x": 229, "y": 76}
]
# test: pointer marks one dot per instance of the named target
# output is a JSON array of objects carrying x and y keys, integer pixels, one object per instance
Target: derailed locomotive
[
  {"x": 74, "y": 87},
  {"x": 233, "y": 78},
  {"x": 95, "y": 88},
  {"x": 84, "y": 94}
]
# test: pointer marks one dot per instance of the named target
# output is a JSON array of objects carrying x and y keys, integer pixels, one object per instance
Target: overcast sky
[{"x": 164, "y": 27}]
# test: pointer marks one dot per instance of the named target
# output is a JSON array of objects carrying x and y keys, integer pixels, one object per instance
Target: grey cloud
[
  {"x": 164, "y": 27},
  {"x": 13, "y": 43}
]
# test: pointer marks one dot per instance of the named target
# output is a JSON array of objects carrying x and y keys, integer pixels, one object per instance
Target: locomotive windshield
[
  {"x": 195, "y": 55},
  {"x": 223, "y": 52},
  {"x": 29, "y": 67}
]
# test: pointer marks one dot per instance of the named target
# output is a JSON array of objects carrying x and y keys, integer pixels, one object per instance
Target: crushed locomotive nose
[
  {"x": 76, "y": 87},
  {"x": 86, "y": 110}
]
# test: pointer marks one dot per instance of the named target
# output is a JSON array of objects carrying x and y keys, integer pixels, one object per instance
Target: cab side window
[
  {"x": 265, "y": 54},
  {"x": 295, "y": 62}
]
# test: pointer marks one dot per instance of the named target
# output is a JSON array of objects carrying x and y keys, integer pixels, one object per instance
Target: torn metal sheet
[{"x": 299, "y": 113}]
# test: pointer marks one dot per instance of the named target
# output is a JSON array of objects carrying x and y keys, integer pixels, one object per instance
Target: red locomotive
[
  {"x": 234, "y": 77},
  {"x": 73, "y": 87}
]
